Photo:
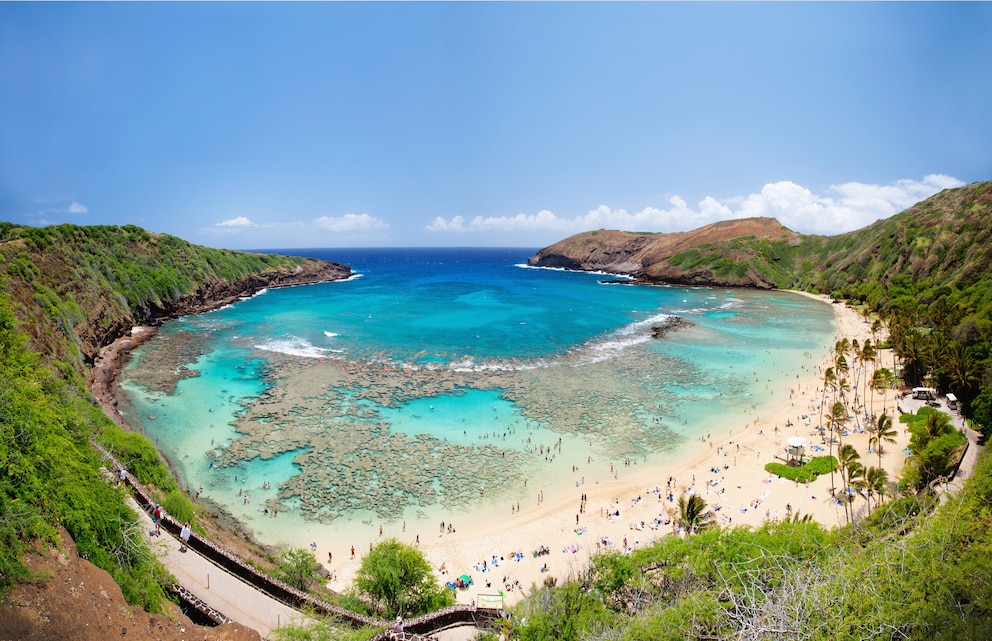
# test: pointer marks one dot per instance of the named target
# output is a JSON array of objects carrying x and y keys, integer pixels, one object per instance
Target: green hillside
[
  {"x": 911, "y": 570},
  {"x": 75, "y": 289},
  {"x": 65, "y": 292},
  {"x": 926, "y": 273}
]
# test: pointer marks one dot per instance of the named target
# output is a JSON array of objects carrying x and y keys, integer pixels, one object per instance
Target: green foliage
[
  {"x": 49, "y": 476},
  {"x": 297, "y": 567},
  {"x": 982, "y": 412},
  {"x": 395, "y": 579},
  {"x": 807, "y": 472},
  {"x": 180, "y": 506},
  {"x": 314, "y": 627},
  {"x": 138, "y": 455},
  {"x": 936, "y": 445},
  {"x": 562, "y": 613}
]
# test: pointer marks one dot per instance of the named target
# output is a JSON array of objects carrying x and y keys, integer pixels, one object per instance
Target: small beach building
[{"x": 796, "y": 449}]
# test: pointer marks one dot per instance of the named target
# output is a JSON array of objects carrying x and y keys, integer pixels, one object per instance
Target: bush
[
  {"x": 809, "y": 471},
  {"x": 395, "y": 579},
  {"x": 297, "y": 567},
  {"x": 179, "y": 506},
  {"x": 139, "y": 456}
]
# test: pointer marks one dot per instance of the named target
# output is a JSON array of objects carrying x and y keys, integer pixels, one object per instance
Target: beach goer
[
  {"x": 353, "y": 551},
  {"x": 157, "y": 517},
  {"x": 123, "y": 476},
  {"x": 184, "y": 537}
]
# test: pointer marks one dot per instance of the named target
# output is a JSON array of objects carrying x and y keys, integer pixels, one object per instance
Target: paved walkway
[{"x": 224, "y": 592}]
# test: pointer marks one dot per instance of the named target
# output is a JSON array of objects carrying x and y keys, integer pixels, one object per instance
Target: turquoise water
[{"x": 439, "y": 377}]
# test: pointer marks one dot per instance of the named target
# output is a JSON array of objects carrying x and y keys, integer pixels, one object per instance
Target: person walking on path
[
  {"x": 184, "y": 536},
  {"x": 157, "y": 517}
]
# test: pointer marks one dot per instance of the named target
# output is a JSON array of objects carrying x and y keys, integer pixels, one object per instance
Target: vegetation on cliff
[
  {"x": 926, "y": 273},
  {"x": 909, "y": 570},
  {"x": 50, "y": 476},
  {"x": 76, "y": 289},
  {"x": 66, "y": 292}
]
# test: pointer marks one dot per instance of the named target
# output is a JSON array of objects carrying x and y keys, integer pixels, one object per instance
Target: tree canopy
[{"x": 396, "y": 580}]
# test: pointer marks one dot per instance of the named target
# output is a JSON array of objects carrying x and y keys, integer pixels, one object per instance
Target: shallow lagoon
[{"x": 441, "y": 381}]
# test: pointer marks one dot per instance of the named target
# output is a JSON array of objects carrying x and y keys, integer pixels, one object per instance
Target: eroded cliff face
[
  {"x": 74, "y": 599},
  {"x": 218, "y": 293},
  {"x": 645, "y": 256},
  {"x": 70, "y": 318}
]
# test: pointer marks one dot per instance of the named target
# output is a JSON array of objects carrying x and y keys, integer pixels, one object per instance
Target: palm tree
[
  {"x": 938, "y": 424},
  {"x": 880, "y": 381},
  {"x": 842, "y": 347},
  {"x": 837, "y": 418},
  {"x": 843, "y": 389},
  {"x": 850, "y": 471},
  {"x": 883, "y": 432},
  {"x": 963, "y": 371},
  {"x": 841, "y": 367},
  {"x": 866, "y": 354},
  {"x": 829, "y": 382},
  {"x": 876, "y": 329},
  {"x": 693, "y": 515},
  {"x": 876, "y": 480}
]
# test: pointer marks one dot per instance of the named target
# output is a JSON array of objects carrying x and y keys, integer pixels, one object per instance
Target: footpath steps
[{"x": 224, "y": 587}]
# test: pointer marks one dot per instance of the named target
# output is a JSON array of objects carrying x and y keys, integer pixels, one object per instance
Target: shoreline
[
  {"x": 746, "y": 493},
  {"x": 572, "y": 529}
]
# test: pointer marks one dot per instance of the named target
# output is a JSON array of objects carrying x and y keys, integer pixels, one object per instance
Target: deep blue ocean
[{"x": 436, "y": 376}]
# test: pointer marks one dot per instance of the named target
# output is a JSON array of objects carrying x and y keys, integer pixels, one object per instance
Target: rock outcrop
[{"x": 645, "y": 256}]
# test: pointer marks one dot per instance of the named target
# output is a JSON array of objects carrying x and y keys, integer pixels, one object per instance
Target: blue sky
[{"x": 250, "y": 125}]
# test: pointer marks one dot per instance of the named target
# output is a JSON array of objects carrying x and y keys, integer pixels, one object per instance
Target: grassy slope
[
  {"x": 76, "y": 288},
  {"x": 64, "y": 292},
  {"x": 859, "y": 580},
  {"x": 905, "y": 572}
]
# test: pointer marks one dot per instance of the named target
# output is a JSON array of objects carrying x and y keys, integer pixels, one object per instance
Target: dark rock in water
[{"x": 671, "y": 323}]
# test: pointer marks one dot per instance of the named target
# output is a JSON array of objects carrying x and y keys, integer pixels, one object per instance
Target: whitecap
[{"x": 294, "y": 346}]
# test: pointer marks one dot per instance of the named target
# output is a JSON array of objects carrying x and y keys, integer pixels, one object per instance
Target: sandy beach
[{"x": 727, "y": 471}]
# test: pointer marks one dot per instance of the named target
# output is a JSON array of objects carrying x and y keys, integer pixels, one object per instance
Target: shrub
[{"x": 808, "y": 471}]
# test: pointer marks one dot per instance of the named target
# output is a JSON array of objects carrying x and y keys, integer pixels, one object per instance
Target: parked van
[
  {"x": 925, "y": 393},
  {"x": 952, "y": 402}
]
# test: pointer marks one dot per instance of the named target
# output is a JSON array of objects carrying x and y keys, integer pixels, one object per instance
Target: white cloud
[
  {"x": 242, "y": 231},
  {"x": 76, "y": 208},
  {"x": 841, "y": 208},
  {"x": 240, "y": 221},
  {"x": 350, "y": 223}
]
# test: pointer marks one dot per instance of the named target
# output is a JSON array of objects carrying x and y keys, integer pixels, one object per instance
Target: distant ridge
[
  {"x": 648, "y": 256},
  {"x": 945, "y": 240},
  {"x": 78, "y": 288}
]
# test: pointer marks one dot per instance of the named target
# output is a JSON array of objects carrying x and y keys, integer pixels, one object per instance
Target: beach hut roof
[{"x": 797, "y": 441}]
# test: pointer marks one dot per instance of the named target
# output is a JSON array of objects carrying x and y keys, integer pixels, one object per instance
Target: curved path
[
  {"x": 235, "y": 591},
  {"x": 214, "y": 586}
]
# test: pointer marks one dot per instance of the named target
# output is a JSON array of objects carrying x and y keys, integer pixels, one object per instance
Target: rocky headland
[{"x": 648, "y": 256}]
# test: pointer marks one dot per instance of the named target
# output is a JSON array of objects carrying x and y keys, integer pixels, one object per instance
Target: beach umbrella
[{"x": 466, "y": 578}]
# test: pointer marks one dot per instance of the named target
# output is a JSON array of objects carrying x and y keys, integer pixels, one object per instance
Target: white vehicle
[{"x": 952, "y": 402}]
